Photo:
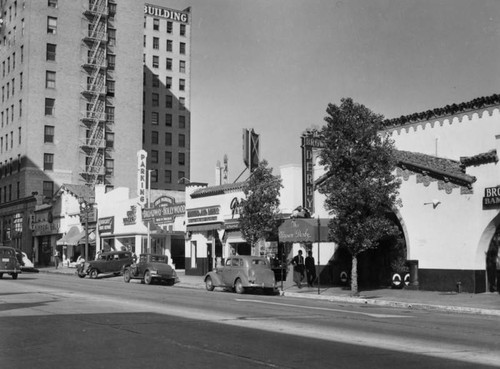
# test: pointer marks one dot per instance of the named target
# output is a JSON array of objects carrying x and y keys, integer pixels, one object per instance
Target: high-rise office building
[
  {"x": 167, "y": 119},
  {"x": 74, "y": 105}
]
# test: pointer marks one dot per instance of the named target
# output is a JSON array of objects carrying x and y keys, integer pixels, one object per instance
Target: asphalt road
[{"x": 61, "y": 321}]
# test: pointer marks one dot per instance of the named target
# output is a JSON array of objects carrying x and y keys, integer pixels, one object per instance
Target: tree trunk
[{"x": 354, "y": 276}]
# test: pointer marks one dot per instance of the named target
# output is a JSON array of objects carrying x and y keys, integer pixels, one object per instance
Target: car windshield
[
  {"x": 159, "y": 258},
  {"x": 259, "y": 262},
  {"x": 8, "y": 252}
]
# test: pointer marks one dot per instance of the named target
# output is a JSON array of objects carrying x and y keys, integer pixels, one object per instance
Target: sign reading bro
[{"x": 491, "y": 196}]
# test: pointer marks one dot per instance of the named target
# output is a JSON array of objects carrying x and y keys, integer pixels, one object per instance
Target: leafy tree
[
  {"x": 259, "y": 217},
  {"x": 360, "y": 186}
]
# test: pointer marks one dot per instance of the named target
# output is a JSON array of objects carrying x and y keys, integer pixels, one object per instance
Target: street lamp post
[{"x": 86, "y": 208}]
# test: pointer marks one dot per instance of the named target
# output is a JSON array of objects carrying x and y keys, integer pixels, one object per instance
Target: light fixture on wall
[{"x": 434, "y": 203}]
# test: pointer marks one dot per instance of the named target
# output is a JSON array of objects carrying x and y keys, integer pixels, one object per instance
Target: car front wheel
[
  {"x": 126, "y": 275},
  {"x": 238, "y": 287},
  {"x": 147, "y": 277},
  {"x": 93, "y": 273},
  {"x": 14, "y": 275},
  {"x": 209, "y": 284}
]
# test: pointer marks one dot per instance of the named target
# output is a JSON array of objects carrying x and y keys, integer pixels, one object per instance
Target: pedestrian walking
[
  {"x": 56, "y": 258},
  {"x": 310, "y": 269},
  {"x": 298, "y": 269}
]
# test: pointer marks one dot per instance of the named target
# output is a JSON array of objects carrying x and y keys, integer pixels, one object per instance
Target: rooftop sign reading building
[{"x": 166, "y": 13}]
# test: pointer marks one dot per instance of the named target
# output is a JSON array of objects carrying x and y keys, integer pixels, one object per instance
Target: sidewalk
[{"x": 483, "y": 303}]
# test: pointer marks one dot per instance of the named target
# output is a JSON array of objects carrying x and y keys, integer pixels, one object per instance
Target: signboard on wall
[
  {"x": 491, "y": 197},
  {"x": 106, "y": 225},
  {"x": 203, "y": 215},
  {"x": 165, "y": 210}
]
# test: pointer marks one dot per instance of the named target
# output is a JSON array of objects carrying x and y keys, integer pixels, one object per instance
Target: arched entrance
[
  {"x": 486, "y": 254},
  {"x": 375, "y": 266}
]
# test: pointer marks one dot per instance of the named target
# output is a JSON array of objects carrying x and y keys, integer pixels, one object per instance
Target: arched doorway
[
  {"x": 486, "y": 252},
  {"x": 375, "y": 266}
]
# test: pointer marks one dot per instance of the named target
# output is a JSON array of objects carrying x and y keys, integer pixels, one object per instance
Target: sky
[{"x": 275, "y": 65}]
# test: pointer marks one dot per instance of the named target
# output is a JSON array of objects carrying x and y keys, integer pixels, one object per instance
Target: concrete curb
[{"x": 398, "y": 304}]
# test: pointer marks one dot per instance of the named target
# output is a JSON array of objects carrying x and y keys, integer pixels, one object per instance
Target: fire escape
[{"x": 93, "y": 117}]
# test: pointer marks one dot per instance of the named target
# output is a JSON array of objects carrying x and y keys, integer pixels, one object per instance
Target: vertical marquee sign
[
  {"x": 141, "y": 176},
  {"x": 311, "y": 140}
]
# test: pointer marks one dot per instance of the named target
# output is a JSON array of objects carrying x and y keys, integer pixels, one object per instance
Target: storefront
[
  {"x": 448, "y": 165},
  {"x": 124, "y": 225}
]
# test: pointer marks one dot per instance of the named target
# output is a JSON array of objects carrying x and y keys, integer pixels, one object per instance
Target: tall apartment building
[
  {"x": 71, "y": 109},
  {"x": 167, "y": 102}
]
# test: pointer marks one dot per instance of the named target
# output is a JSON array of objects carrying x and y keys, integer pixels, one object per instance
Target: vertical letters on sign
[{"x": 141, "y": 176}]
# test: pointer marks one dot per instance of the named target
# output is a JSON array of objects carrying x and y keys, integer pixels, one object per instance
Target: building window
[
  {"x": 170, "y": 27},
  {"x": 49, "y": 106},
  {"x": 183, "y": 30},
  {"x": 48, "y": 188},
  {"x": 154, "y": 137},
  {"x": 169, "y": 45},
  {"x": 48, "y": 134},
  {"x": 169, "y": 64},
  {"x": 156, "y": 80},
  {"x": 156, "y": 43},
  {"x": 168, "y": 176},
  {"x": 110, "y": 167},
  {"x": 20, "y": 108},
  {"x": 156, "y": 24},
  {"x": 155, "y": 99},
  {"x": 144, "y": 38},
  {"x": 111, "y": 35},
  {"x": 154, "y": 118},
  {"x": 51, "y": 52},
  {"x": 182, "y": 121},
  {"x": 182, "y": 103},
  {"x": 52, "y": 3},
  {"x": 182, "y": 66},
  {"x": 154, "y": 175},
  {"x": 21, "y": 81},
  {"x": 110, "y": 140},
  {"x": 182, "y": 48},
  {"x": 156, "y": 61},
  {"x": 168, "y": 157},
  {"x": 168, "y": 139},
  {"x": 50, "y": 79},
  {"x": 182, "y": 84},
  {"x": 48, "y": 161},
  {"x": 182, "y": 158},
  {"x": 154, "y": 156},
  {"x": 168, "y": 120},
  {"x": 168, "y": 82},
  {"x": 51, "y": 25},
  {"x": 168, "y": 101},
  {"x": 112, "y": 9},
  {"x": 110, "y": 87},
  {"x": 182, "y": 140},
  {"x": 111, "y": 61},
  {"x": 180, "y": 175}
]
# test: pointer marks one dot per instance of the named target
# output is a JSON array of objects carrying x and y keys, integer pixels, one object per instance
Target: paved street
[{"x": 52, "y": 321}]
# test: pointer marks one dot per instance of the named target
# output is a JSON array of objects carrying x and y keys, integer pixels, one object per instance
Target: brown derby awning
[{"x": 304, "y": 230}]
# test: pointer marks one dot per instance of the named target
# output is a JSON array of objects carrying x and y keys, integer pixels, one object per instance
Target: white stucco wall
[{"x": 456, "y": 233}]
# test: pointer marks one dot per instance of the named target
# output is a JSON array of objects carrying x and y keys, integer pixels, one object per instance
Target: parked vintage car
[
  {"x": 241, "y": 273},
  {"x": 149, "y": 268},
  {"x": 8, "y": 262},
  {"x": 108, "y": 262}
]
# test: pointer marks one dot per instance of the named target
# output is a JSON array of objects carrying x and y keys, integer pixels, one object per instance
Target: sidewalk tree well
[
  {"x": 359, "y": 184},
  {"x": 259, "y": 217}
]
